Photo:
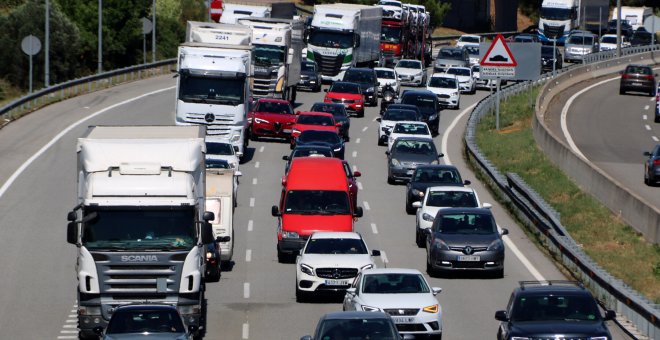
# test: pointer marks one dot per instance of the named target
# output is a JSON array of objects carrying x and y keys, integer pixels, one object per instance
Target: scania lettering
[{"x": 140, "y": 226}]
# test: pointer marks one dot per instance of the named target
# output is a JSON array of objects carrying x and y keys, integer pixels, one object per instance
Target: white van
[{"x": 634, "y": 15}]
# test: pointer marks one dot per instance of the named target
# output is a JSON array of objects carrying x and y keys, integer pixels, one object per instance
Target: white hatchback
[
  {"x": 330, "y": 261},
  {"x": 408, "y": 128},
  {"x": 387, "y": 76},
  {"x": 446, "y": 87},
  {"x": 465, "y": 78}
]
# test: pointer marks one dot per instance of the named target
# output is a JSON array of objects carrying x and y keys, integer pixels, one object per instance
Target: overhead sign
[
  {"x": 498, "y": 54},
  {"x": 528, "y": 63}
]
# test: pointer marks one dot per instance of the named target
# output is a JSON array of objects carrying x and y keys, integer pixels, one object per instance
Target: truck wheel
[{"x": 293, "y": 93}]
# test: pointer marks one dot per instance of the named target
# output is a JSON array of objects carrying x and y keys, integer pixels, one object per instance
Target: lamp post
[
  {"x": 100, "y": 34},
  {"x": 153, "y": 33},
  {"x": 46, "y": 46}
]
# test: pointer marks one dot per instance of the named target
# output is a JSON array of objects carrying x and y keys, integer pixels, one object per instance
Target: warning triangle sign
[{"x": 498, "y": 54}]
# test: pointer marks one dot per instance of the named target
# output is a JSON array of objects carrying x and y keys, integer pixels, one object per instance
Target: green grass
[{"x": 609, "y": 241}]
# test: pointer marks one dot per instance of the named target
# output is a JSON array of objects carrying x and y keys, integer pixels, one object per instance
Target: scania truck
[
  {"x": 140, "y": 226},
  {"x": 213, "y": 80},
  {"x": 277, "y": 47},
  {"x": 558, "y": 18},
  {"x": 344, "y": 35}
]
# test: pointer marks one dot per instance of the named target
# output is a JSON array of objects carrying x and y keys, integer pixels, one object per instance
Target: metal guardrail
[{"x": 544, "y": 221}]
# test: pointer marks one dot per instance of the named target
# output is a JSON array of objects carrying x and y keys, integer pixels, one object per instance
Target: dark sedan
[
  {"x": 355, "y": 325},
  {"x": 368, "y": 81},
  {"x": 626, "y": 29},
  {"x": 428, "y": 104},
  {"x": 309, "y": 76},
  {"x": 465, "y": 239},
  {"x": 324, "y": 138},
  {"x": 430, "y": 176},
  {"x": 652, "y": 166},
  {"x": 339, "y": 112},
  {"x": 307, "y": 151},
  {"x": 547, "y": 58},
  {"x": 637, "y": 78},
  {"x": 404, "y": 107},
  {"x": 146, "y": 321},
  {"x": 407, "y": 154}
]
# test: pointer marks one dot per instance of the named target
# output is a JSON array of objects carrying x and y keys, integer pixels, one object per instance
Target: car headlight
[
  {"x": 395, "y": 162},
  {"x": 369, "y": 266},
  {"x": 496, "y": 245},
  {"x": 233, "y": 165},
  {"x": 235, "y": 138},
  {"x": 433, "y": 116},
  {"x": 427, "y": 217},
  {"x": 209, "y": 255},
  {"x": 295, "y": 131},
  {"x": 519, "y": 338},
  {"x": 371, "y": 89},
  {"x": 419, "y": 74},
  {"x": 337, "y": 149},
  {"x": 434, "y": 162},
  {"x": 259, "y": 120},
  {"x": 370, "y": 309},
  {"x": 290, "y": 234},
  {"x": 306, "y": 269},
  {"x": 388, "y": 97},
  {"x": 431, "y": 309},
  {"x": 440, "y": 245},
  {"x": 598, "y": 338},
  {"x": 454, "y": 94}
]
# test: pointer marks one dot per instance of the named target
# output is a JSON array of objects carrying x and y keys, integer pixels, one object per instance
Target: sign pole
[
  {"x": 554, "y": 56},
  {"x": 497, "y": 107}
]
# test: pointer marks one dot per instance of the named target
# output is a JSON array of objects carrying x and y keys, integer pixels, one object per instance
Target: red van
[{"x": 315, "y": 197}]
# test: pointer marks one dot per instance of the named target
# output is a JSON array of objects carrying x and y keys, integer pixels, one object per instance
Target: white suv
[{"x": 330, "y": 261}]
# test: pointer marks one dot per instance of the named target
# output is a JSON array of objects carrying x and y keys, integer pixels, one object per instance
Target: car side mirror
[
  {"x": 387, "y": 153},
  {"x": 467, "y": 182},
  {"x": 285, "y": 158},
  {"x": 208, "y": 216},
  {"x": 351, "y": 291},
  {"x": 358, "y": 212},
  {"x": 646, "y": 153},
  {"x": 500, "y": 315},
  {"x": 338, "y": 124},
  {"x": 417, "y": 204},
  {"x": 610, "y": 315},
  {"x": 505, "y": 231},
  {"x": 375, "y": 252},
  {"x": 275, "y": 211},
  {"x": 223, "y": 239},
  {"x": 357, "y": 174},
  {"x": 238, "y": 174},
  {"x": 436, "y": 290},
  {"x": 379, "y": 119},
  {"x": 487, "y": 205},
  {"x": 440, "y": 155},
  {"x": 428, "y": 231}
]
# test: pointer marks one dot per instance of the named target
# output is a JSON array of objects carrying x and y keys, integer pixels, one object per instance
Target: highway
[{"x": 256, "y": 299}]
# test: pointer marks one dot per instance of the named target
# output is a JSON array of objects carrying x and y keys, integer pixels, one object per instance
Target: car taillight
[
  {"x": 648, "y": 77},
  {"x": 656, "y": 162},
  {"x": 625, "y": 76}
]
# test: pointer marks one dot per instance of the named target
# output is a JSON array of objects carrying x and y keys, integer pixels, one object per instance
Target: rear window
[
  {"x": 398, "y": 115},
  {"x": 345, "y": 88},
  {"x": 581, "y": 40},
  {"x": 315, "y": 120},
  {"x": 638, "y": 70}
]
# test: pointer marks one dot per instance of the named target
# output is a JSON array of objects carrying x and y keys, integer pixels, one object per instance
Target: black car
[
  {"x": 429, "y": 176},
  {"x": 547, "y": 56},
  {"x": 368, "y": 81},
  {"x": 641, "y": 38},
  {"x": 134, "y": 321},
  {"x": 309, "y": 76},
  {"x": 637, "y": 78},
  {"x": 428, "y": 104},
  {"x": 339, "y": 112},
  {"x": 652, "y": 166},
  {"x": 407, "y": 154},
  {"x": 526, "y": 38},
  {"x": 541, "y": 309},
  {"x": 323, "y": 138},
  {"x": 355, "y": 325},
  {"x": 399, "y": 106},
  {"x": 465, "y": 239},
  {"x": 626, "y": 29},
  {"x": 307, "y": 151}
]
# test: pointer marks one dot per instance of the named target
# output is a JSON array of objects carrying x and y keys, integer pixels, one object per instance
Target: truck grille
[
  {"x": 263, "y": 85},
  {"x": 216, "y": 124},
  {"x": 402, "y": 311},
  {"x": 336, "y": 273},
  {"x": 329, "y": 65}
]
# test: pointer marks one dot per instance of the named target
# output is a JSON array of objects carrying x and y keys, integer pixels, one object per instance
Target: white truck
[
  {"x": 233, "y": 12},
  {"x": 277, "y": 47},
  {"x": 634, "y": 15},
  {"x": 213, "y": 80},
  {"x": 560, "y": 17},
  {"x": 344, "y": 35},
  {"x": 140, "y": 226},
  {"x": 221, "y": 186}
]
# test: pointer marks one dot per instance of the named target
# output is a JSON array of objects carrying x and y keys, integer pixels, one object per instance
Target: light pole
[
  {"x": 46, "y": 46},
  {"x": 100, "y": 52},
  {"x": 153, "y": 34},
  {"x": 618, "y": 28}
]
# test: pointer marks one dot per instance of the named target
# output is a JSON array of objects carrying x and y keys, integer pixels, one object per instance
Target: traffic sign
[
  {"x": 215, "y": 10},
  {"x": 498, "y": 54}
]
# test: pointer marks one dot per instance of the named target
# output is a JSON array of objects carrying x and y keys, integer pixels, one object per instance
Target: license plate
[
  {"x": 399, "y": 319},
  {"x": 286, "y": 130},
  {"x": 468, "y": 258},
  {"x": 336, "y": 283}
]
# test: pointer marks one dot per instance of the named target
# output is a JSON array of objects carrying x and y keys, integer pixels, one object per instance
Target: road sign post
[
  {"x": 31, "y": 45},
  {"x": 498, "y": 62}
]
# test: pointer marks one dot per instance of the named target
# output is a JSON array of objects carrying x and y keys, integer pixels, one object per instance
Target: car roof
[
  {"x": 438, "y": 166},
  {"x": 450, "y": 188},
  {"x": 310, "y": 147},
  {"x": 450, "y": 211},
  {"x": 444, "y": 75},
  {"x": 329, "y": 104},
  {"x": 335, "y": 234},
  {"x": 464, "y": 67},
  {"x": 305, "y": 172},
  {"x": 355, "y": 315},
  {"x": 409, "y": 121},
  {"x": 315, "y": 113},
  {"x": 360, "y": 69},
  {"x": 384, "y": 69},
  {"x": 413, "y": 138},
  {"x": 551, "y": 286},
  {"x": 418, "y": 92},
  {"x": 272, "y": 100},
  {"x": 391, "y": 271}
]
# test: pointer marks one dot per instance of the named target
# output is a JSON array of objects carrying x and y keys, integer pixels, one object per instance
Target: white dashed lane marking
[
  {"x": 374, "y": 229},
  {"x": 354, "y": 168},
  {"x": 644, "y": 117},
  {"x": 655, "y": 139},
  {"x": 246, "y": 331},
  {"x": 256, "y": 165},
  {"x": 357, "y": 141},
  {"x": 251, "y": 201},
  {"x": 359, "y": 184},
  {"x": 365, "y": 128},
  {"x": 366, "y": 205},
  {"x": 254, "y": 181},
  {"x": 246, "y": 290},
  {"x": 354, "y": 154},
  {"x": 383, "y": 257},
  {"x": 261, "y": 149},
  {"x": 646, "y": 108},
  {"x": 250, "y": 225},
  {"x": 647, "y": 127},
  {"x": 248, "y": 255}
]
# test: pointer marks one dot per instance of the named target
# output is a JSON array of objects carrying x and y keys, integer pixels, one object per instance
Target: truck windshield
[
  {"x": 331, "y": 39},
  {"x": 211, "y": 90},
  {"x": 390, "y": 35},
  {"x": 128, "y": 228},
  {"x": 266, "y": 55},
  {"x": 550, "y": 13},
  {"x": 316, "y": 202}
]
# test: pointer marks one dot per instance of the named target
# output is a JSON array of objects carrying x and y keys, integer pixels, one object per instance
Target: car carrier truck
[
  {"x": 140, "y": 226},
  {"x": 344, "y": 35},
  {"x": 213, "y": 85},
  {"x": 277, "y": 47}
]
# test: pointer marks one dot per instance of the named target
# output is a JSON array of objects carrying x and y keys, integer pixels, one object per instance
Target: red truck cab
[
  {"x": 392, "y": 41},
  {"x": 271, "y": 118},
  {"x": 315, "y": 197}
]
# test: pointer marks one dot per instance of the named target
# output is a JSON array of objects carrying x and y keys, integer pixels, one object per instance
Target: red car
[
  {"x": 352, "y": 183},
  {"x": 271, "y": 118},
  {"x": 313, "y": 121},
  {"x": 348, "y": 94}
]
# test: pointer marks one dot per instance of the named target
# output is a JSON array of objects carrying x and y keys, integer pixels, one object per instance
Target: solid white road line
[
  {"x": 366, "y": 205},
  {"x": 251, "y": 201},
  {"x": 374, "y": 229},
  {"x": 564, "y": 113},
  {"x": 70, "y": 326},
  {"x": 248, "y": 255},
  {"x": 250, "y": 225},
  {"x": 365, "y": 128},
  {"x": 59, "y": 136},
  {"x": 445, "y": 136},
  {"x": 256, "y": 165},
  {"x": 359, "y": 184},
  {"x": 246, "y": 331},
  {"x": 246, "y": 290},
  {"x": 254, "y": 181},
  {"x": 357, "y": 141},
  {"x": 383, "y": 257},
  {"x": 354, "y": 154},
  {"x": 537, "y": 275},
  {"x": 261, "y": 149}
]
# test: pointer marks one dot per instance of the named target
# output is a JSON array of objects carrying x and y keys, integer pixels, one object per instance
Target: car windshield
[
  {"x": 397, "y": 115},
  {"x": 426, "y": 103},
  {"x": 608, "y": 40},
  {"x": 331, "y": 38},
  {"x": 337, "y": 110},
  {"x": 359, "y": 77},
  {"x": 267, "y": 55},
  {"x": 224, "y": 149},
  {"x": 141, "y": 321},
  {"x": 581, "y": 40},
  {"x": 423, "y": 147},
  {"x": 394, "y": 284},
  {"x": 443, "y": 82},
  {"x": 554, "y": 307},
  {"x": 450, "y": 53},
  {"x": 308, "y": 67},
  {"x": 409, "y": 64},
  {"x": 336, "y": 246},
  {"x": 345, "y": 88},
  {"x": 217, "y": 164},
  {"x": 390, "y": 35},
  {"x": 274, "y": 107},
  {"x": 385, "y": 74},
  {"x": 465, "y": 223},
  {"x": 445, "y": 176},
  {"x": 411, "y": 129},
  {"x": 306, "y": 152},
  {"x": 459, "y": 71},
  {"x": 472, "y": 50},
  {"x": 316, "y": 202},
  {"x": 315, "y": 120},
  {"x": 353, "y": 328},
  {"x": 546, "y": 51},
  {"x": 319, "y": 136},
  {"x": 454, "y": 199},
  {"x": 469, "y": 39}
]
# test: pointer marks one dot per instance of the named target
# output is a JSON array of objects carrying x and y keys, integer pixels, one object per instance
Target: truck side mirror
[
  {"x": 208, "y": 216},
  {"x": 375, "y": 252},
  {"x": 71, "y": 216},
  {"x": 223, "y": 239},
  {"x": 275, "y": 211},
  {"x": 72, "y": 232},
  {"x": 358, "y": 212},
  {"x": 207, "y": 233}
]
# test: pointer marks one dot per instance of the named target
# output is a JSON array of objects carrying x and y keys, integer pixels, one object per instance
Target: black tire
[
  {"x": 253, "y": 137},
  {"x": 435, "y": 336},
  {"x": 87, "y": 335},
  {"x": 410, "y": 210},
  {"x": 429, "y": 268},
  {"x": 213, "y": 275},
  {"x": 361, "y": 114},
  {"x": 380, "y": 142},
  {"x": 646, "y": 181},
  {"x": 293, "y": 94},
  {"x": 419, "y": 239},
  {"x": 622, "y": 92},
  {"x": 317, "y": 89},
  {"x": 390, "y": 180},
  {"x": 281, "y": 257},
  {"x": 300, "y": 295},
  {"x": 498, "y": 274}
]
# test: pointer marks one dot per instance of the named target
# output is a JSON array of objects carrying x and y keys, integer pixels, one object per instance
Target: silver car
[
  {"x": 451, "y": 56},
  {"x": 579, "y": 44}
]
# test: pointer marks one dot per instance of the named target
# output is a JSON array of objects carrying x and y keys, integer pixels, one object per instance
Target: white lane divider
[
  {"x": 365, "y": 128},
  {"x": 256, "y": 165},
  {"x": 537, "y": 275},
  {"x": 359, "y": 184},
  {"x": 383, "y": 257},
  {"x": 644, "y": 117},
  {"x": 646, "y": 108},
  {"x": 655, "y": 138},
  {"x": 366, "y": 205},
  {"x": 251, "y": 202},
  {"x": 250, "y": 225},
  {"x": 354, "y": 154},
  {"x": 248, "y": 255},
  {"x": 354, "y": 168},
  {"x": 261, "y": 149},
  {"x": 246, "y": 331},
  {"x": 373, "y": 120},
  {"x": 69, "y": 329},
  {"x": 246, "y": 290},
  {"x": 254, "y": 181},
  {"x": 357, "y": 141},
  {"x": 647, "y": 127},
  {"x": 374, "y": 229},
  {"x": 445, "y": 136}
]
